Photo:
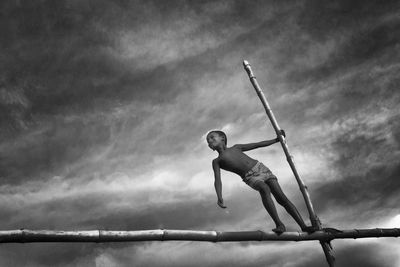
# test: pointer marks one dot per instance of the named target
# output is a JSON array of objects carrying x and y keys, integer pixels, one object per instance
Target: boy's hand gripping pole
[{"x": 303, "y": 188}]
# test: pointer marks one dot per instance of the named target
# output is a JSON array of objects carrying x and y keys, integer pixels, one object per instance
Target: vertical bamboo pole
[{"x": 303, "y": 188}]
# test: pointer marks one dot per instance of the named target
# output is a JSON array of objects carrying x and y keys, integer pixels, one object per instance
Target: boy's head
[{"x": 214, "y": 138}]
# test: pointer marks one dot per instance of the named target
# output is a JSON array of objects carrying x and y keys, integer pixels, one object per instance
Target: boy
[{"x": 253, "y": 173}]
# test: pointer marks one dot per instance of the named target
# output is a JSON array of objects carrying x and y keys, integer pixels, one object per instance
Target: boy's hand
[
  {"x": 221, "y": 203},
  {"x": 282, "y": 133}
]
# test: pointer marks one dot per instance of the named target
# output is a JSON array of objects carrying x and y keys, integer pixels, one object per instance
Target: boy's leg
[
  {"x": 285, "y": 202},
  {"x": 269, "y": 205}
]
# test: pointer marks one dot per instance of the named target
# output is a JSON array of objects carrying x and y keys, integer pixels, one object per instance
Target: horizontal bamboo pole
[{"x": 100, "y": 236}]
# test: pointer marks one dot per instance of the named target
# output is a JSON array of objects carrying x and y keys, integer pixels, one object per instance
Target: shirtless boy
[{"x": 254, "y": 174}]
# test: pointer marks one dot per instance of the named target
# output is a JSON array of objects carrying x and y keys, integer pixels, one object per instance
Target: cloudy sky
[{"x": 104, "y": 106}]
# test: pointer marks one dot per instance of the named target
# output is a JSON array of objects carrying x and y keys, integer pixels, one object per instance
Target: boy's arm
[
  {"x": 218, "y": 183},
  {"x": 250, "y": 146}
]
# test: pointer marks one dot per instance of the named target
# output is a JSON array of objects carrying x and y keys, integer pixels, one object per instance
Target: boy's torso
[{"x": 234, "y": 160}]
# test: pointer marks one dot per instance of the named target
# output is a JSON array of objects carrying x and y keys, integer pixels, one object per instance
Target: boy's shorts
[{"x": 259, "y": 173}]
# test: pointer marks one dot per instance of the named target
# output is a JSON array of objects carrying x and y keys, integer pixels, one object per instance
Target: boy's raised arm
[
  {"x": 250, "y": 146},
  {"x": 218, "y": 183}
]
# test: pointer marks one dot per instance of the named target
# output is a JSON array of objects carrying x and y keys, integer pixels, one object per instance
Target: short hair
[{"x": 220, "y": 133}]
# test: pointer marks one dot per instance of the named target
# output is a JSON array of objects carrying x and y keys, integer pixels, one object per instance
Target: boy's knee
[{"x": 282, "y": 200}]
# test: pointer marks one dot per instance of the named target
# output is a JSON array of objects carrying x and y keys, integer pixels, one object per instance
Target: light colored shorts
[{"x": 259, "y": 173}]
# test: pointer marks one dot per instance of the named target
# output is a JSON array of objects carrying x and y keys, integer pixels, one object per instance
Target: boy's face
[{"x": 214, "y": 140}]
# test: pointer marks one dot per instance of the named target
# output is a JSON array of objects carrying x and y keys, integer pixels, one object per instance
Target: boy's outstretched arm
[
  {"x": 250, "y": 146},
  {"x": 218, "y": 183}
]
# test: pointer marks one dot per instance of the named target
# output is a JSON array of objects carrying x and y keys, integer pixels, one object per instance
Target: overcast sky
[{"x": 104, "y": 106}]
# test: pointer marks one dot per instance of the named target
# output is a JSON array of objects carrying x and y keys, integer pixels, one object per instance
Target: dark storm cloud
[
  {"x": 375, "y": 37},
  {"x": 60, "y": 57},
  {"x": 80, "y": 68},
  {"x": 46, "y": 153},
  {"x": 65, "y": 59},
  {"x": 37, "y": 254},
  {"x": 344, "y": 51},
  {"x": 69, "y": 52},
  {"x": 351, "y": 254},
  {"x": 365, "y": 192},
  {"x": 341, "y": 16},
  {"x": 368, "y": 172}
]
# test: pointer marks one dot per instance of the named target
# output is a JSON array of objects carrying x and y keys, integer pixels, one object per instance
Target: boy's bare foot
[
  {"x": 221, "y": 204},
  {"x": 309, "y": 229},
  {"x": 279, "y": 229}
]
